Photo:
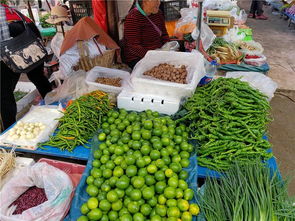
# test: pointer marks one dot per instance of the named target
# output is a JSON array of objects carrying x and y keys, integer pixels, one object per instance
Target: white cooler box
[{"x": 194, "y": 63}]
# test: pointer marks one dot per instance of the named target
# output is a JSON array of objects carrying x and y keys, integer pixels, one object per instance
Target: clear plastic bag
[
  {"x": 56, "y": 43},
  {"x": 239, "y": 16},
  {"x": 223, "y": 5},
  {"x": 257, "y": 80},
  {"x": 72, "y": 87},
  {"x": 251, "y": 48},
  {"x": 58, "y": 189},
  {"x": 170, "y": 46},
  {"x": 233, "y": 36},
  {"x": 207, "y": 36},
  {"x": 187, "y": 23}
]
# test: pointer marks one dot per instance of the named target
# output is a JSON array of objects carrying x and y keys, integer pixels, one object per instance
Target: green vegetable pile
[
  {"x": 228, "y": 118},
  {"x": 247, "y": 192},
  {"x": 137, "y": 170},
  {"x": 43, "y": 22},
  {"x": 81, "y": 119},
  {"x": 19, "y": 95}
]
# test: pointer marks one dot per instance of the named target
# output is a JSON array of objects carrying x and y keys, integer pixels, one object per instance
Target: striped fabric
[
  {"x": 140, "y": 35},
  {"x": 4, "y": 30}
]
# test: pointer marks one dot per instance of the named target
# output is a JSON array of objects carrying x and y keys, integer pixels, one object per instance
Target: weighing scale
[{"x": 219, "y": 21}]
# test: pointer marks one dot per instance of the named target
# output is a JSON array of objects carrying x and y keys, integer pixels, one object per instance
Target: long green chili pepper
[{"x": 228, "y": 118}]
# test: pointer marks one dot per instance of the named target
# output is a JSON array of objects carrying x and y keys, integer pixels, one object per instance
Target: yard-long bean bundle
[
  {"x": 81, "y": 119},
  {"x": 228, "y": 118}
]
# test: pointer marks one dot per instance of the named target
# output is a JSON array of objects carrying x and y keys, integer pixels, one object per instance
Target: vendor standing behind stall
[{"x": 144, "y": 29}]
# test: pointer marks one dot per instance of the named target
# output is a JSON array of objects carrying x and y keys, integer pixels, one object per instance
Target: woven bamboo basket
[{"x": 86, "y": 63}]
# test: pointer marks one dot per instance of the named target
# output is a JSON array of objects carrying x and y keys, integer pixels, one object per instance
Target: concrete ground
[{"x": 278, "y": 41}]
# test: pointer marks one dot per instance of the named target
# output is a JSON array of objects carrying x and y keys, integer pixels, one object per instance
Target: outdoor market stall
[{"x": 169, "y": 139}]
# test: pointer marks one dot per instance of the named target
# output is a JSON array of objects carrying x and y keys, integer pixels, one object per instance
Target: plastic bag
[
  {"x": 187, "y": 23},
  {"x": 223, "y": 5},
  {"x": 207, "y": 36},
  {"x": 233, "y": 36},
  {"x": 170, "y": 46},
  {"x": 256, "y": 61},
  {"x": 46, "y": 114},
  {"x": 96, "y": 72},
  {"x": 71, "y": 57},
  {"x": 251, "y": 48},
  {"x": 257, "y": 80},
  {"x": 56, "y": 43},
  {"x": 72, "y": 88},
  {"x": 240, "y": 17},
  {"x": 58, "y": 189}
]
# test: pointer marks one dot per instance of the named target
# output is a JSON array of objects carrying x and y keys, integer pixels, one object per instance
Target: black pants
[
  {"x": 256, "y": 7},
  {"x": 9, "y": 80}
]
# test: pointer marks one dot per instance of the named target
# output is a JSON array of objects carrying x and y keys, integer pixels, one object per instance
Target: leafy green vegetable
[
  {"x": 19, "y": 95},
  {"x": 248, "y": 191},
  {"x": 43, "y": 22}
]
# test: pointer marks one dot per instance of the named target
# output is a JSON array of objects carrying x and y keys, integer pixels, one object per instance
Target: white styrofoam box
[
  {"x": 141, "y": 102},
  {"x": 97, "y": 71},
  {"x": 194, "y": 63},
  {"x": 20, "y": 163}
]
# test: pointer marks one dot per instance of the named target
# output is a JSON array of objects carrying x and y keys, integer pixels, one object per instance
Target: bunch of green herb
[{"x": 248, "y": 192}]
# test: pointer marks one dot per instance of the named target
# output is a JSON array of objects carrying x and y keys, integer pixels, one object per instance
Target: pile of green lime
[{"x": 137, "y": 170}]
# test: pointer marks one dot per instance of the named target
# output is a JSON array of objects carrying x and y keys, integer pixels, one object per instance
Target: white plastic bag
[
  {"x": 72, "y": 87},
  {"x": 251, "y": 48},
  {"x": 233, "y": 36},
  {"x": 56, "y": 43},
  {"x": 223, "y": 5},
  {"x": 170, "y": 46},
  {"x": 257, "y": 80},
  {"x": 187, "y": 23},
  {"x": 46, "y": 114},
  {"x": 96, "y": 72},
  {"x": 58, "y": 188},
  {"x": 256, "y": 61},
  {"x": 240, "y": 17},
  {"x": 207, "y": 36}
]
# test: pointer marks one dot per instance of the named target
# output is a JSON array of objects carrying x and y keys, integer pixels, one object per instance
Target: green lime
[
  {"x": 127, "y": 200},
  {"x": 84, "y": 209},
  {"x": 113, "y": 180},
  {"x": 169, "y": 192},
  {"x": 145, "y": 150},
  {"x": 104, "y": 217},
  {"x": 157, "y": 132},
  {"x": 194, "y": 209},
  {"x": 119, "y": 151},
  {"x": 147, "y": 160},
  {"x": 176, "y": 167},
  {"x": 129, "y": 190},
  {"x": 133, "y": 207},
  {"x": 136, "y": 135},
  {"x": 104, "y": 159},
  {"x": 186, "y": 216},
  {"x": 136, "y": 195},
  {"x": 120, "y": 193},
  {"x": 98, "y": 182},
  {"x": 156, "y": 218},
  {"x": 176, "y": 159},
  {"x": 92, "y": 203},
  {"x": 105, "y": 205},
  {"x": 116, "y": 206},
  {"x": 160, "y": 163},
  {"x": 173, "y": 181},
  {"x": 82, "y": 218},
  {"x": 112, "y": 196},
  {"x": 169, "y": 173},
  {"x": 165, "y": 141},
  {"x": 136, "y": 144},
  {"x": 153, "y": 201},
  {"x": 107, "y": 173},
  {"x": 155, "y": 154},
  {"x": 137, "y": 154},
  {"x": 188, "y": 194},
  {"x": 150, "y": 180},
  {"x": 161, "y": 210},
  {"x": 173, "y": 212},
  {"x": 171, "y": 202},
  {"x": 118, "y": 171},
  {"x": 178, "y": 139},
  {"x": 95, "y": 172},
  {"x": 130, "y": 160},
  {"x": 140, "y": 162},
  {"x": 118, "y": 160},
  {"x": 138, "y": 182},
  {"x": 145, "y": 209},
  {"x": 110, "y": 165},
  {"x": 148, "y": 193},
  {"x": 90, "y": 180},
  {"x": 102, "y": 196},
  {"x": 146, "y": 134},
  {"x": 101, "y": 136},
  {"x": 126, "y": 217},
  {"x": 160, "y": 187},
  {"x": 183, "y": 175},
  {"x": 113, "y": 215},
  {"x": 92, "y": 190},
  {"x": 164, "y": 152},
  {"x": 183, "y": 205},
  {"x": 142, "y": 172},
  {"x": 162, "y": 199},
  {"x": 138, "y": 217},
  {"x": 152, "y": 168},
  {"x": 96, "y": 163},
  {"x": 148, "y": 124},
  {"x": 184, "y": 163},
  {"x": 160, "y": 175},
  {"x": 157, "y": 145},
  {"x": 97, "y": 154},
  {"x": 106, "y": 187},
  {"x": 178, "y": 193},
  {"x": 182, "y": 184},
  {"x": 95, "y": 214},
  {"x": 166, "y": 160},
  {"x": 184, "y": 146}
]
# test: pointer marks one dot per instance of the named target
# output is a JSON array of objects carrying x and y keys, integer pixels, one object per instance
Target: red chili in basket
[{"x": 34, "y": 196}]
